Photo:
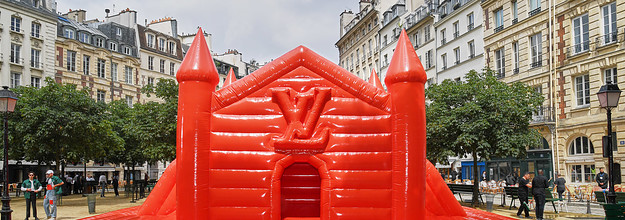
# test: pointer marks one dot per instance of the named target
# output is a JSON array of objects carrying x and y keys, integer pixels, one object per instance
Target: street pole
[
  {"x": 6, "y": 207},
  {"x": 611, "y": 194}
]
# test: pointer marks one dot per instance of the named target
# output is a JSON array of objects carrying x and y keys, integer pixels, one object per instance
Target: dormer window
[
  {"x": 127, "y": 50},
  {"x": 119, "y": 31},
  {"x": 161, "y": 44},
  {"x": 36, "y": 3},
  {"x": 151, "y": 40},
  {"x": 84, "y": 37},
  {"x": 113, "y": 46},
  {"x": 68, "y": 33},
  {"x": 172, "y": 48},
  {"x": 99, "y": 42}
]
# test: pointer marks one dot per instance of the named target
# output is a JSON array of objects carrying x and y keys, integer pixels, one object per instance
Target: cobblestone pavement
[
  {"x": 74, "y": 206},
  {"x": 567, "y": 210}
]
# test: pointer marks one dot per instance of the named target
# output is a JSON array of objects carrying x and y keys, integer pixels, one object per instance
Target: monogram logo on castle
[{"x": 301, "y": 111}]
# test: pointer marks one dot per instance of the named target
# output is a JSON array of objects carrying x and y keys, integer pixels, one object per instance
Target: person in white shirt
[
  {"x": 31, "y": 187},
  {"x": 102, "y": 181}
]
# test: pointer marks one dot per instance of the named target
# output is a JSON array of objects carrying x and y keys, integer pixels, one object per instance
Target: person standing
[
  {"x": 453, "y": 175},
  {"x": 524, "y": 185},
  {"x": 68, "y": 186},
  {"x": 539, "y": 184},
  {"x": 53, "y": 189},
  {"x": 102, "y": 182},
  {"x": 602, "y": 179},
  {"x": 560, "y": 185},
  {"x": 116, "y": 184},
  {"x": 31, "y": 187}
]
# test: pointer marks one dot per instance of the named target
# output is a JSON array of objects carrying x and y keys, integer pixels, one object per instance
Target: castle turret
[
  {"x": 405, "y": 80},
  {"x": 197, "y": 78}
]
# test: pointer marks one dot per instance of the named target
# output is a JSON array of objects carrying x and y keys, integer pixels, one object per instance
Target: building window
[
  {"x": 534, "y": 5},
  {"x": 35, "y": 29},
  {"x": 583, "y": 173},
  {"x": 515, "y": 53},
  {"x": 113, "y": 46},
  {"x": 581, "y": 145},
  {"x": 515, "y": 12},
  {"x": 172, "y": 48},
  {"x": 161, "y": 44},
  {"x": 119, "y": 31},
  {"x": 16, "y": 24},
  {"x": 129, "y": 100},
  {"x": 470, "y": 21},
  {"x": 609, "y": 23},
  {"x": 498, "y": 20},
  {"x": 151, "y": 81},
  {"x": 16, "y": 79},
  {"x": 610, "y": 75},
  {"x": 162, "y": 66},
  {"x": 443, "y": 40},
  {"x": 580, "y": 33},
  {"x": 582, "y": 90},
  {"x": 85, "y": 64},
  {"x": 150, "y": 63},
  {"x": 457, "y": 54},
  {"x": 444, "y": 61},
  {"x": 35, "y": 58},
  {"x": 536, "y": 50},
  {"x": 426, "y": 33},
  {"x": 16, "y": 53},
  {"x": 456, "y": 30},
  {"x": 71, "y": 61},
  {"x": 500, "y": 58},
  {"x": 128, "y": 74},
  {"x": 35, "y": 82},
  {"x": 84, "y": 37},
  {"x": 35, "y": 3},
  {"x": 172, "y": 69},
  {"x": 150, "y": 40},
  {"x": 417, "y": 39},
  {"x": 68, "y": 33},
  {"x": 101, "y": 95},
  {"x": 101, "y": 64},
  {"x": 428, "y": 59},
  {"x": 99, "y": 42},
  {"x": 114, "y": 72},
  {"x": 471, "y": 46},
  {"x": 127, "y": 50}
]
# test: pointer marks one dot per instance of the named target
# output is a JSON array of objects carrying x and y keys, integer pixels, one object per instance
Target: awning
[
  {"x": 438, "y": 165},
  {"x": 91, "y": 169}
]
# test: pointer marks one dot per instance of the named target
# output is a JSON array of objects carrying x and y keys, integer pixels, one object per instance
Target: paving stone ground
[
  {"x": 74, "y": 206},
  {"x": 569, "y": 210}
]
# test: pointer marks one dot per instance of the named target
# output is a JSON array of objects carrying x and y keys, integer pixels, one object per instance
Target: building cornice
[{"x": 358, "y": 24}]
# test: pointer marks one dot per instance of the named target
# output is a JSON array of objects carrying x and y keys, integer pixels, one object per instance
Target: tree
[
  {"x": 58, "y": 123},
  {"x": 483, "y": 117},
  {"x": 158, "y": 121}
]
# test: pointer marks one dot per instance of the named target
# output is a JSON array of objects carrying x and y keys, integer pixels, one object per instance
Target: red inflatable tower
[{"x": 301, "y": 138}]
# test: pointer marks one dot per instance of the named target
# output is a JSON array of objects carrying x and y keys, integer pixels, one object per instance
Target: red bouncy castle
[{"x": 301, "y": 138}]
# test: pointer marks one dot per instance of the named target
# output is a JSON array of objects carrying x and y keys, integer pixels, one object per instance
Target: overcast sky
[{"x": 260, "y": 29}]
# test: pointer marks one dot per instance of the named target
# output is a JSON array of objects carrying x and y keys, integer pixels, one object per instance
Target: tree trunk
[{"x": 476, "y": 182}]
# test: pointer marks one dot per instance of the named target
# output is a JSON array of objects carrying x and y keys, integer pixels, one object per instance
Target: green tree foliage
[
  {"x": 157, "y": 121},
  {"x": 58, "y": 123},
  {"x": 481, "y": 116}
]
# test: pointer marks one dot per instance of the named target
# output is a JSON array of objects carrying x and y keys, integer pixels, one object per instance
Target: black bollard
[{"x": 588, "y": 206}]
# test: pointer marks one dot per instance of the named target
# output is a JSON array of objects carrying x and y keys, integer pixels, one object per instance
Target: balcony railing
[
  {"x": 456, "y": 34},
  {"x": 470, "y": 27},
  {"x": 514, "y": 21},
  {"x": 456, "y": 62},
  {"x": 36, "y": 65},
  {"x": 578, "y": 48},
  {"x": 516, "y": 70},
  {"x": 609, "y": 38},
  {"x": 501, "y": 73},
  {"x": 16, "y": 60},
  {"x": 443, "y": 41},
  {"x": 534, "y": 12},
  {"x": 444, "y": 67},
  {"x": 498, "y": 29},
  {"x": 471, "y": 55},
  {"x": 543, "y": 114},
  {"x": 536, "y": 64}
]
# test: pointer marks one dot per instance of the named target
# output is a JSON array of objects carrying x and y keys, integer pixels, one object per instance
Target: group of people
[{"x": 53, "y": 189}]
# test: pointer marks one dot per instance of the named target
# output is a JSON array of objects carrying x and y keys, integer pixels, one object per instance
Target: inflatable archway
[{"x": 301, "y": 138}]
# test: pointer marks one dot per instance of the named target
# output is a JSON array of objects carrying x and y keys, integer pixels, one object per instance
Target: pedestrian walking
[
  {"x": 77, "y": 184},
  {"x": 53, "y": 190},
  {"x": 602, "y": 179},
  {"x": 102, "y": 181},
  {"x": 539, "y": 184},
  {"x": 560, "y": 185},
  {"x": 31, "y": 187},
  {"x": 116, "y": 184},
  {"x": 69, "y": 182},
  {"x": 524, "y": 185}
]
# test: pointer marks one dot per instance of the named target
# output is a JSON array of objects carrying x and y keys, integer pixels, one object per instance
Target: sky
[{"x": 260, "y": 29}]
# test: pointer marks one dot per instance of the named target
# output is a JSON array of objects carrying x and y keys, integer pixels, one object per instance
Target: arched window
[
  {"x": 581, "y": 145},
  {"x": 542, "y": 144}
]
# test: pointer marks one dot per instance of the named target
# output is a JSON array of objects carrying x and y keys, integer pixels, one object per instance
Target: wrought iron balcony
[
  {"x": 578, "y": 48},
  {"x": 607, "y": 39},
  {"x": 16, "y": 60},
  {"x": 443, "y": 41},
  {"x": 514, "y": 21},
  {"x": 534, "y": 12},
  {"x": 501, "y": 73},
  {"x": 36, "y": 65},
  {"x": 543, "y": 114},
  {"x": 456, "y": 34},
  {"x": 536, "y": 64},
  {"x": 470, "y": 27},
  {"x": 498, "y": 29},
  {"x": 516, "y": 70}
]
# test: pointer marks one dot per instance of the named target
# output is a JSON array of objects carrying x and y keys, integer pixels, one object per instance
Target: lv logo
[{"x": 301, "y": 111}]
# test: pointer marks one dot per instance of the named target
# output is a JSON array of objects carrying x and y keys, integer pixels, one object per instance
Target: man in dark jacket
[
  {"x": 560, "y": 185},
  {"x": 524, "y": 185},
  {"x": 602, "y": 179},
  {"x": 31, "y": 187},
  {"x": 539, "y": 184}
]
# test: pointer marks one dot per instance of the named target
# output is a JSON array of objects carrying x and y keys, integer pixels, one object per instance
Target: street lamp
[
  {"x": 608, "y": 98},
  {"x": 7, "y": 105}
]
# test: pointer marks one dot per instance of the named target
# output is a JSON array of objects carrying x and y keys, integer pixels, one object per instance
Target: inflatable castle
[{"x": 301, "y": 139}]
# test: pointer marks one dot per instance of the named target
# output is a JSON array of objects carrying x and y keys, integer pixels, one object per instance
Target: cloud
[{"x": 260, "y": 29}]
